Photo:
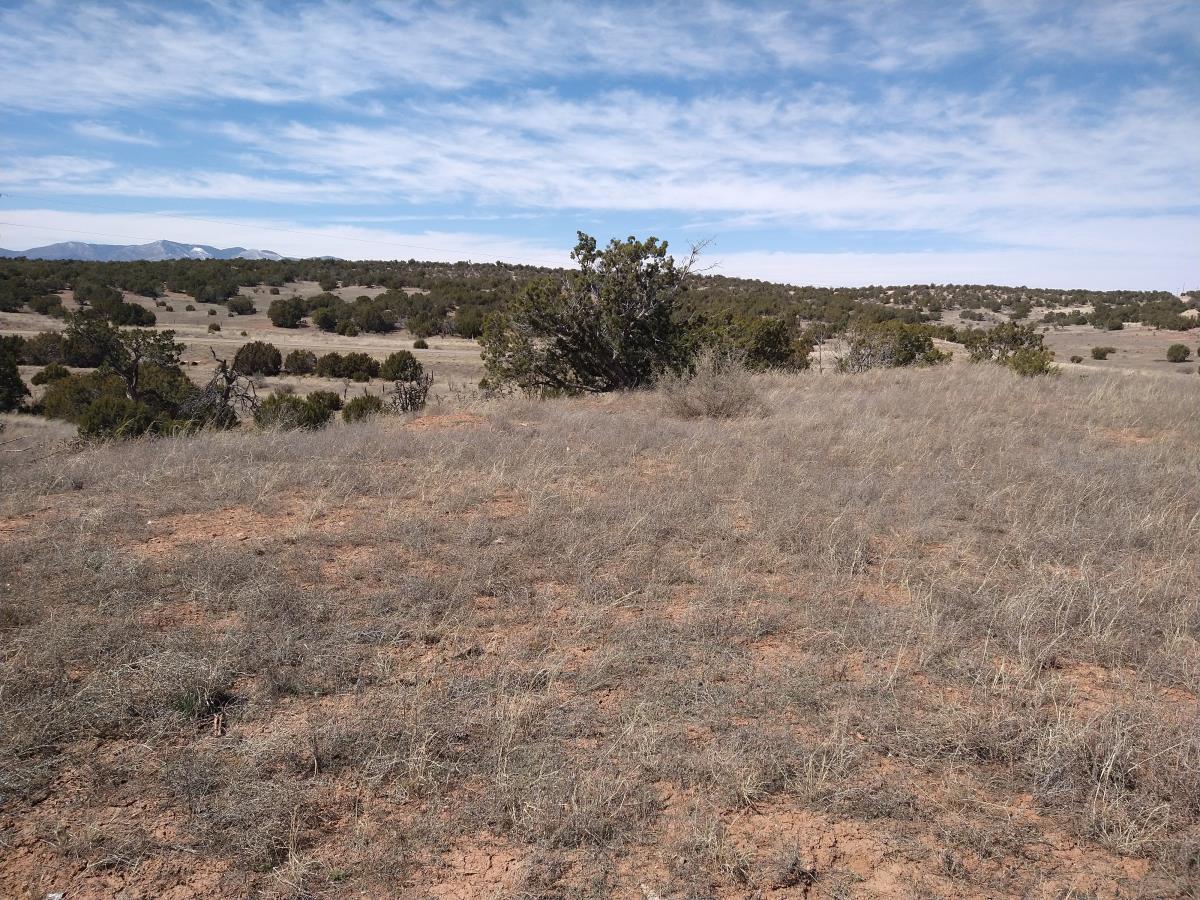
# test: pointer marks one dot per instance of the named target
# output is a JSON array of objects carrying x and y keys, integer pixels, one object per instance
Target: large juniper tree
[{"x": 608, "y": 326}]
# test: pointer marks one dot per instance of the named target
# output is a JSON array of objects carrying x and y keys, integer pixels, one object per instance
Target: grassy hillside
[{"x": 909, "y": 633}]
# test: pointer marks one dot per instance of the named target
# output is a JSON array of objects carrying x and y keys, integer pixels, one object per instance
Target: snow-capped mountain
[{"x": 154, "y": 251}]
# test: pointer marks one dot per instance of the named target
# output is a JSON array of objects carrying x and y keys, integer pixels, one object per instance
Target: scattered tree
[
  {"x": 1178, "y": 353},
  {"x": 608, "y": 326}
]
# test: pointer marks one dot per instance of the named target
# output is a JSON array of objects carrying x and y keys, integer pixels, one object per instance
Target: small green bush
[
  {"x": 420, "y": 344},
  {"x": 169, "y": 308},
  {"x": 1028, "y": 362},
  {"x": 191, "y": 307},
  {"x": 1076, "y": 359},
  {"x": 240, "y": 306},
  {"x": 273, "y": 291},
  {"x": 326, "y": 398},
  {"x": 286, "y": 312},
  {"x": 401, "y": 366},
  {"x": 257, "y": 358},
  {"x": 1178, "y": 353},
  {"x": 362, "y": 408},
  {"x": 111, "y": 416},
  {"x": 52, "y": 372},
  {"x": 288, "y": 412},
  {"x": 300, "y": 362},
  {"x": 1102, "y": 352},
  {"x": 211, "y": 311},
  {"x": 214, "y": 326},
  {"x": 355, "y": 366}
]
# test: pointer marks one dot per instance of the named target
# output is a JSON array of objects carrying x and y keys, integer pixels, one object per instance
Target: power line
[{"x": 556, "y": 262}]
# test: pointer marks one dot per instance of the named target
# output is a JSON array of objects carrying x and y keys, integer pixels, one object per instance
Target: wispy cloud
[
  {"x": 71, "y": 56},
  {"x": 99, "y": 131},
  {"x": 1001, "y": 125}
]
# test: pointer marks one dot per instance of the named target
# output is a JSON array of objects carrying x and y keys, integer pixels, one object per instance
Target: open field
[{"x": 910, "y": 633}]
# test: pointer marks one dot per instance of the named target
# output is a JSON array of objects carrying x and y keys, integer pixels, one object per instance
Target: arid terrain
[{"x": 915, "y": 633}]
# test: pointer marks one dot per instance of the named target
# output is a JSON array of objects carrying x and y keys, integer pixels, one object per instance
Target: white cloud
[
  {"x": 1070, "y": 269},
  {"x": 65, "y": 56},
  {"x": 102, "y": 132}
]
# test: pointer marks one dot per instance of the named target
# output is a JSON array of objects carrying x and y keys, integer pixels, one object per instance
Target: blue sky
[{"x": 835, "y": 142}]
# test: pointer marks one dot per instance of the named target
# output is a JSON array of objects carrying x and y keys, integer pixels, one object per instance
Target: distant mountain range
[{"x": 153, "y": 252}]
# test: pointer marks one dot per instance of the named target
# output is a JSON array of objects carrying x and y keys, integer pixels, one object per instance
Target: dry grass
[{"x": 909, "y": 633}]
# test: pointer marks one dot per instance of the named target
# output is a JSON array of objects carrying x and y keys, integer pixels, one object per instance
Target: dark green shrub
[
  {"x": 1178, "y": 353},
  {"x": 1102, "y": 352},
  {"x": 1001, "y": 342},
  {"x": 42, "y": 349},
  {"x": 52, "y": 372},
  {"x": 325, "y": 319},
  {"x": 300, "y": 362},
  {"x": 362, "y": 408},
  {"x": 89, "y": 341},
  {"x": 609, "y": 326},
  {"x": 111, "y": 416},
  {"x": 69, "y": 398},
  {"x": 329, "y": 366},
  {"x": 288, "y": 412},
  {"x": 359, "y": 367},
  {"x": 1077, "y": 359},
  {"x": 48, "y": 305},
  {"x": 273, "y": 291},
  {"x": 169, "y": 308},
  {"x": 286, "y": 312},
  {"x": 326, "y": 398},
  {"x": 191, "y": 307},
  {"x": 214, "y": 326},
  {"x": 420, "y": 344},
  {"x": 240, "y": 306},
  {"x": 1028, "y": 362},
  {"x": 211, "y": 311},
  {"x": 12, "y": 389},
  {"x": 401, "y": 366},
  {"x": 257, "y": 358},
  {"x": 355, "y": 366}
]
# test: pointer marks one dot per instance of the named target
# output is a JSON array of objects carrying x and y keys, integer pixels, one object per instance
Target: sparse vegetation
[
  {"x": 746, "y": 630},
  {"x": 1178, "y": 353},
  {"x": 572, "y": 636},
  {"x": 718, "y": 385},
  {"x": 1102, "y": 352}
]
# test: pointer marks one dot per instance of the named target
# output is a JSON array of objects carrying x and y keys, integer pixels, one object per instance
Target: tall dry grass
[{"x": 948, "y": 617}]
